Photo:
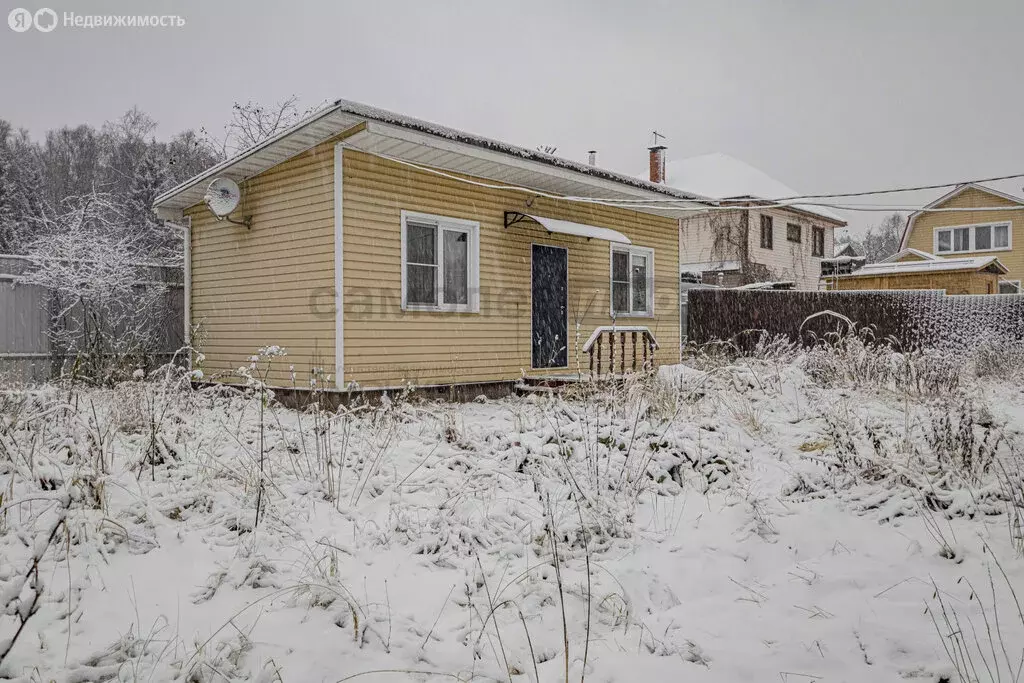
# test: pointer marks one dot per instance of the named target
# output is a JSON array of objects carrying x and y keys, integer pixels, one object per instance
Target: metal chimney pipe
[{"x": 592, "y": 157}]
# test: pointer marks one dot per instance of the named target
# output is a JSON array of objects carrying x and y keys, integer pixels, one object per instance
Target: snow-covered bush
[
  {"x": 946, "y": 461},
  {"x": 107, "y": 312},
  {"x": 856, "y": 360},
  {"x": 993, "y": 356}
]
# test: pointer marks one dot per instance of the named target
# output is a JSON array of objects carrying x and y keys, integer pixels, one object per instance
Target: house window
[
  {"x": 1001, "y": 238},
  {"x": 440, "y": 263},
  {"x": 964, "y": 238},
  {"x": 766, "y": 232},
  {"x": 793, "y": 232},
  {"x": 983, "y": 237},
  {"x": 817, "y": 241},
  {"x": 1009, "y": 287},
  {"x": 632, "y": 281}
]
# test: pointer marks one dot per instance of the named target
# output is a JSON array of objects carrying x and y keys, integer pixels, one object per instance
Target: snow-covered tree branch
[{"x": 107, "y": 308}]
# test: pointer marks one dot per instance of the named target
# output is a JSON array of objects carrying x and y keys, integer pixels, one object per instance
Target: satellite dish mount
[{"x": 223, "y": 196}]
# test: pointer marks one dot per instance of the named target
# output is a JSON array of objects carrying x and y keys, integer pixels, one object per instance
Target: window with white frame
[
  {"x": 981, "y": 237},
  {"x": 1009, "y": 287},
  {"x": 440, "y": 263},
  {"x": 632, "y": 281}
]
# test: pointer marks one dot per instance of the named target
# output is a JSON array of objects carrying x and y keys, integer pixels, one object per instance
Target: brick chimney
[{"x": 657, "y": 163}]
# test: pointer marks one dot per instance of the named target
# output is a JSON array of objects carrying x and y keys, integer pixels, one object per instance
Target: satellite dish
[{"x": 222, "y": 196}]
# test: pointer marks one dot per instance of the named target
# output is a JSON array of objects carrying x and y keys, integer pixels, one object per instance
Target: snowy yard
[{"x": 839, "y": 515}]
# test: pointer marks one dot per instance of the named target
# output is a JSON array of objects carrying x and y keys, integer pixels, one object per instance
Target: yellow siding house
[
  {"x": 950, "y": 232},
  {"x": 387, "y": 251},
  {"x": 914, "y": 269}
]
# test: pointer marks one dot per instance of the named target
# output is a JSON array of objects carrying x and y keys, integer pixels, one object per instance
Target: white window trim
[
  {"x": 1015, "y": 283},
  {"x": 970, "y": 241},
  {"x": 631, "y": 251},
  {"x": 472, "y": 229}
]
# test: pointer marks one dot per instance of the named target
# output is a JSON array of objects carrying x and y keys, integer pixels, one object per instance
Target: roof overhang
[
  {"x": 416, "y": 142},
  {"x": 553, "y": 225}
]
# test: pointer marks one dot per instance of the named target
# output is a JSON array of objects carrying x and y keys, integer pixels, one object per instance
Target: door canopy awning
[{"x": 567, "y": 227}]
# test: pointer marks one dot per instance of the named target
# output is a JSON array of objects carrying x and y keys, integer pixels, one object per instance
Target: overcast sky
[{"x": 824, "y": 96}]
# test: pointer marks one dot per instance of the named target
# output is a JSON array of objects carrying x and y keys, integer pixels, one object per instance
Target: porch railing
[{"x": 631, "y": 347}]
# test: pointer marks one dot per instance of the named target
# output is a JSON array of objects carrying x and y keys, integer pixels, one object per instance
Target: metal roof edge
[{"x": 383, "y": 116}]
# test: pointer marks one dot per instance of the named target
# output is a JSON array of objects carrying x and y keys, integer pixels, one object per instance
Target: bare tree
[
  {"x": 71, "y": 163},
  {"x": 188, "y": 155},
  {"x": 883, "y": 240},
  {"x": 125, "y": 143},
  {"x": 730, "y": 231},
  {"x": 252, "y": 123},
  {"x": 106, "y": 309}
]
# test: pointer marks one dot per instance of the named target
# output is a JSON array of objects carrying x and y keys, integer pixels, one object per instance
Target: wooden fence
[
  {"x": 924, "y": 318},
  {"x": 26, "y": 352}
]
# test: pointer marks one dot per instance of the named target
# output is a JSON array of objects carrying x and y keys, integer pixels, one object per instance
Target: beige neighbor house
[
  {"x": 949, "y": 232},
  {"x": 751, "y": 243},
  {"x": 387, "y": 252}
]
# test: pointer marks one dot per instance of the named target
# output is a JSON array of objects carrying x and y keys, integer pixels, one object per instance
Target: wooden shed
[{"x": 915, "y": 269}]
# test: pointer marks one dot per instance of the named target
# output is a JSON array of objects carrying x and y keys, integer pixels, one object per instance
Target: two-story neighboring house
[
  {"x": 751, "y": 242},
  {"x": 971, "y": 232}
]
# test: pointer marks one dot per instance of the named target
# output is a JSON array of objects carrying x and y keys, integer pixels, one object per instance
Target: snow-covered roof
[
  {"x": 971, "y": 263},
  {"x": 412, "y": 140},
  {"x": 902, "y": 253},
  {"x": 701, "y": 266},
  {"x": 845, "y": 259},
  {"x": 777, "y": 284},
  {"x": 721, "y": 176},
  {"x": 845, "y": 245}
]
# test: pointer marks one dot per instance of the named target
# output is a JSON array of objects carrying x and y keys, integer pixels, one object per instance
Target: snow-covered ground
[{"x": 753, "y": 520}]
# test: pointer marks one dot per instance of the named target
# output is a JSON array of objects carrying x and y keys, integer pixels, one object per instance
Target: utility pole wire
[
  {"x": 866, "y": 193},
  {"x": 901, "y": 189},
  {"x": 700, "y": 205}
]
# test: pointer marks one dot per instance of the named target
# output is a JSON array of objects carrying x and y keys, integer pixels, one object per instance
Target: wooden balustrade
[{"x": 643, "y": 346}]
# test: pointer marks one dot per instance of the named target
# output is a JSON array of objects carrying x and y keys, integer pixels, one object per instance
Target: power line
[
  {"x": 866, "y": 193},
  {"x": 823, "y": 205},
  {"x": 701, "y": 205},
  {"x": 902, "y": 189}
]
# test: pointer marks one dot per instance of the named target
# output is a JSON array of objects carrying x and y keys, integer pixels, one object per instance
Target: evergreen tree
[
  {"x": 8, "y": 240},
  {"x": 149, "y": 180},
  {"x": 21, "y": 190}
]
